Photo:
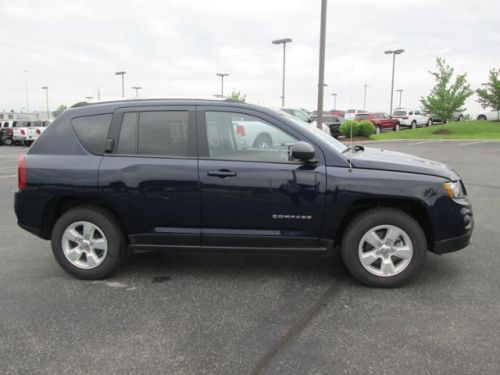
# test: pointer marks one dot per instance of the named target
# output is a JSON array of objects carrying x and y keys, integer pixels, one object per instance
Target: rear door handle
[{"x": 222, "y": 173}]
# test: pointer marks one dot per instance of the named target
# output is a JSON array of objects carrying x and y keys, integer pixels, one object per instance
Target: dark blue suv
[{"x": 209, "y": 175}]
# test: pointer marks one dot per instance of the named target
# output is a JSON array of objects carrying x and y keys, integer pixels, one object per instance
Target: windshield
[
  {"x": 399, "y": 113},
  {"x": 312, "y": 129}
]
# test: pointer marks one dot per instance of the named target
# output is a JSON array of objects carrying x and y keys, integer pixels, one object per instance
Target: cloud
[{"x": 174, "y": 48}]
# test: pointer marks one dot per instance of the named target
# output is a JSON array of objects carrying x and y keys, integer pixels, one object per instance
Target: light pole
[
  {"x": 394, "y": 53},
  {"x": 334, "y": 94},
  {"x": 284, "y": 42},
  {"x": 365, "y": 85},
  {"x": 26, "y": 84},
  {"x": 46, "y": 88},
  {"x": 222, "y": 75},
  {"x": 321, "y": 74},
  {"x": 89, "y": 98},
  {"x": 136, "y": 88},
  {"x": 122, "y": 73},
  {"x": 400, "y": 95}
]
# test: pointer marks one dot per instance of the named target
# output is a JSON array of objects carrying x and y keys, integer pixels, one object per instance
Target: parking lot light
[
  {"x": 365, "y": 85},
  {"x": 46, "y": 88},
  {"x": 394, "y": 53},
  {"x": 321, "y": 73},
  {"x": 283, "y": 41},
  {"x": 136, "y": 88},
  {"x": 400, "y": 95},
  {"x": 222, "y": 75},
  {"x": 334, "y": 94},
  {"x": 122, "y": 73}
]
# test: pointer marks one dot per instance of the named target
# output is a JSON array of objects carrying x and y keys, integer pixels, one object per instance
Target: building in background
[{"x": 25, "y": 116}]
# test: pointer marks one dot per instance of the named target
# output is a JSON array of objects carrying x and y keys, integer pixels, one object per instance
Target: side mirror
[{"x": 303, "y": 151}]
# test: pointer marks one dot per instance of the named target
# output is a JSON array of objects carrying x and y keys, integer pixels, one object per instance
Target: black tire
[
  {"x": 413, "y": 124},
  {"x": 28, "y": 143},
  {"x": 429, "y": 122},
  {"x": 396, "y": 127},
  {"x": 481, "y": 117},
  {"x": 263, "y": 139},
  {"x": 361, "y": 224},
  {"x": 378, "y": 130},
  {"x": 117, "y": 245},
  {"x": 460, "y": 118},
  {"x": 7, "y": 141}
]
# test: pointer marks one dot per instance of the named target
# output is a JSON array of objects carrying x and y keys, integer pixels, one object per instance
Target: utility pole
[
  {"x": 321, "y": 75},
  {"x": 89, "y": 98},
  {"x": 284, "y": 42},
  {"x": 394, "y": 53},
  {"x": 222, "y": 75}
]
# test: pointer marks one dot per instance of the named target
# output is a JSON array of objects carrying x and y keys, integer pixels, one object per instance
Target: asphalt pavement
[{"x": 257, "y": 314}]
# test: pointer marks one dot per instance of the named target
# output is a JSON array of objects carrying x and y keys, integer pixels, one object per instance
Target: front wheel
[
  {"x": 429, "y": 122},
  {"x": 481, "y": 117},
  {"x": 396, "y": 128},
  {"x": 88, "y": 243},
  {"x": 384, "y": 248},
  {"x": 413, "y": 124},
  {"x": 378, "y": 130}
]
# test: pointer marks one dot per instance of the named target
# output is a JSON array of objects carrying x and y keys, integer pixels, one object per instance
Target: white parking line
[
  {"x": 10, "y": 175},
  {"x": 418, "y": 143},
  {"x": 468, "y": 143}
]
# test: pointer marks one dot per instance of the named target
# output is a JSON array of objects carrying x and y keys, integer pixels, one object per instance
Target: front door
[{"x": 252, "y": 194}]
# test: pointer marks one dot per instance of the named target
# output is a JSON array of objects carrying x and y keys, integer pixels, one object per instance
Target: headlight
[{"x": 453, "y": 189}]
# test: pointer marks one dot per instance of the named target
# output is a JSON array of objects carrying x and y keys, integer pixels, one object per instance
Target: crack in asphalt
[{"x": 296, "y": 329}]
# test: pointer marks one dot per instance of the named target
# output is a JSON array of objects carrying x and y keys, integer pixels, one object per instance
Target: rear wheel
[
  {"x": 413, "y": 124},
  {"x": 429, "y": 122},
  {"x": 383, "y": 248},
  {"x": 378, "y": 130},
  {"x": 88, "y": 243},
  {"x": 28, "y": 143},
  {"x": 460, "y": 118},
  {"x": 481, "y": 117}
]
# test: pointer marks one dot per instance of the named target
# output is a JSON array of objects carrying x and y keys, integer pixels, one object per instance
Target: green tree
[
  {"x": 236, "y": 95},
  {"x": 447, "y": 96},
  {"x": 59, "y": 110},
  {"x": 490, "y": 96}
]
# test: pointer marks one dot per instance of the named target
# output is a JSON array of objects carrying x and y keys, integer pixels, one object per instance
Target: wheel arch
[
  {"x": 58, "y": 206},
  {"x": 412, "y": 207}
]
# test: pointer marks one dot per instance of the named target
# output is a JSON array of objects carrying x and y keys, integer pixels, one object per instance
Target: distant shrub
[
  {"x": 345, "y": 128},
  {"x": 366, "y": 128}
]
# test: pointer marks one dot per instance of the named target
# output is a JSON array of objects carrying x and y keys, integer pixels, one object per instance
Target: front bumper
[{"x": 449, "y": 245}]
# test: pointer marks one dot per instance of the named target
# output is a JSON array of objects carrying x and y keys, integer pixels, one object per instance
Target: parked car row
[{"x": 20, "y": 132}]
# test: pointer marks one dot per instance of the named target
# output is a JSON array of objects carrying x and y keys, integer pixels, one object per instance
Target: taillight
[
  {"x": 38, "y": 131},
  {"x": 21, "y": 173},
  {"x": 23, "y": 132},
  {"x": 240, "y": 131}
]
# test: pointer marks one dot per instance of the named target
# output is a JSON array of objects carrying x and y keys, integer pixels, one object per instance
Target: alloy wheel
[{"x": 84, "y": 245}]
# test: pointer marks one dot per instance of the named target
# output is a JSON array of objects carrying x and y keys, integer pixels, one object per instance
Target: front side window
[{"x": 235, "y": 136}]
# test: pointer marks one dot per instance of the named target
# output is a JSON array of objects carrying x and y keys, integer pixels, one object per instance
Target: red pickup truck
[{"x": 380, "y": 120}]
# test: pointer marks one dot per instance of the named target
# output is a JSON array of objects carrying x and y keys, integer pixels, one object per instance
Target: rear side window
[
  {"x": 163, "y": 133},
  {"x": 92, "y": 131},
  {"x": 155, "y": 133}
]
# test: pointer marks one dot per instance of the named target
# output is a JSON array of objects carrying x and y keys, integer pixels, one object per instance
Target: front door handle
[{"x": 222, "y": 173}]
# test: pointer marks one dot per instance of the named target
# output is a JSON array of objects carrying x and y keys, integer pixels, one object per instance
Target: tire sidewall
[
  {"x": 108, "y": 226},
  {"x": 370, "y": 219}
]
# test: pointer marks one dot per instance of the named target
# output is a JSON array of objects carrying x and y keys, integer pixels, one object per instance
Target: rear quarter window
[{"x": 92, "y": 131}]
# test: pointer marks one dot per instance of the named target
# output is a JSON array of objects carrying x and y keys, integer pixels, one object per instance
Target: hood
[{"x": 374, "y": 158}]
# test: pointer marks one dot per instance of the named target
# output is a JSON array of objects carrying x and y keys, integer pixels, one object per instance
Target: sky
[{"x": 174, "y": 48}]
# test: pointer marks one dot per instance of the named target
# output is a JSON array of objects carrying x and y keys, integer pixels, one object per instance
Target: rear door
[
  {"x": 150, "y": 178},
  {"x": 253, "y": 195}
]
